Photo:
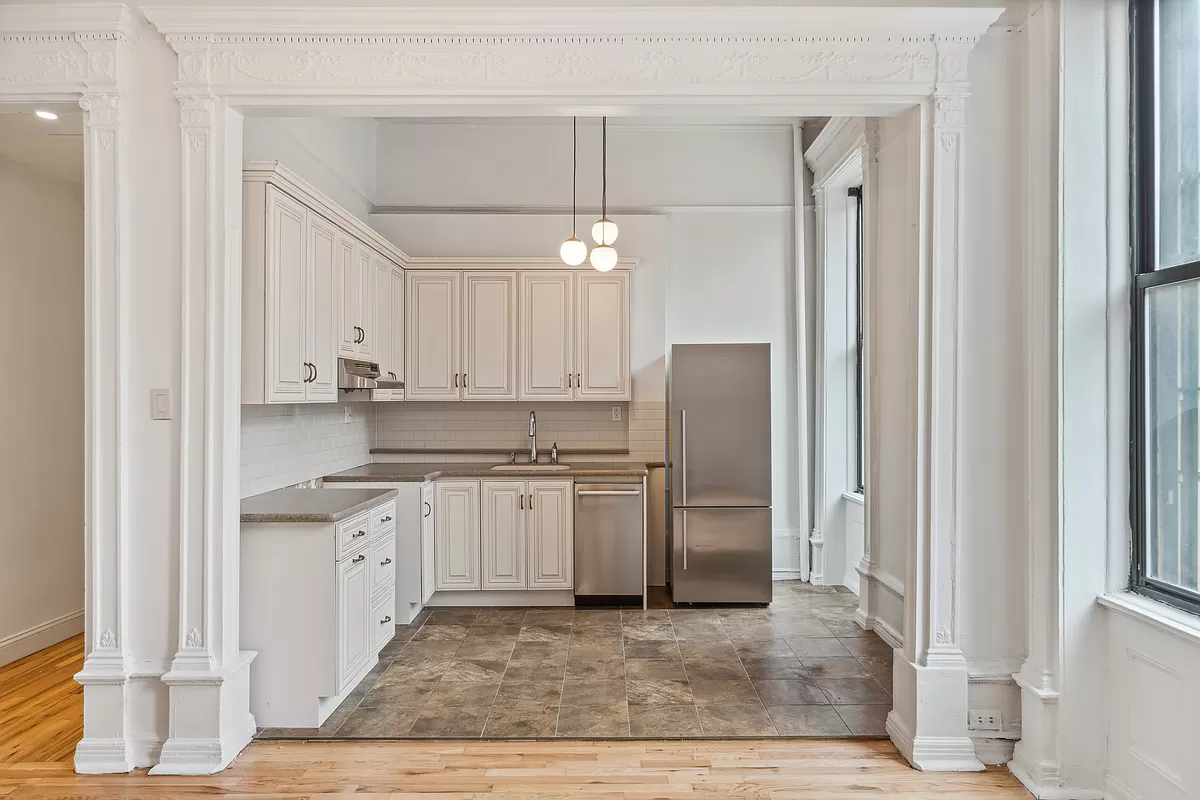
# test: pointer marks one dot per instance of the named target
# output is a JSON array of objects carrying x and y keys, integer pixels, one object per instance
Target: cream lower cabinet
[
  {"x": 456, "y": 521},
  {"x": 428, "y": 543},
  {"x": 354, "y": 623},
  {"x": 527, "y": 535}
]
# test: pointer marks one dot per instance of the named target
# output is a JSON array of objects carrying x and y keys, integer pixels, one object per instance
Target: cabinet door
[
  {"x": 354, "y": 616},
  {"x": 346, "y": 294},
  {"x": 383, "y": 315},
  {"x": 367, "y": 335},
  {"x": 489, "y": 336},
  {"x": 431, "y": 369},
  {"x": 287, "y": 252},
  {"x": 320, "y": 350},
  {"x": 546, "y": 334},
  {"x": 428, "y": 550},
  {"x": 396, "y": 305},
  {"x": 502, "y": 534},
  {"x": 602, "y": 336},
  {"x": 457, "y": 546},
  {"x": 551, "y": 535}
]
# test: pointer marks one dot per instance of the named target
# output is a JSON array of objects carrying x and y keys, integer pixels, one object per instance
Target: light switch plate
[
  {"x": 160, "y": 404},
  {"x": 616, "y": 413}
]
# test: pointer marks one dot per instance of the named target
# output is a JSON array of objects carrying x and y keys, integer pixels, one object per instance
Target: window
[
  {"x": 1166, "y": 305},
  {"x": 856, "y": 194}
]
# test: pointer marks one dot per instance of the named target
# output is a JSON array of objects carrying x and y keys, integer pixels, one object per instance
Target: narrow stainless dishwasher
[{"x": 609, "y": 537}]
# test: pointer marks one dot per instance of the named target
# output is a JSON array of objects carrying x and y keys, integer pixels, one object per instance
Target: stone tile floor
[{"x": 799, "y": 667}]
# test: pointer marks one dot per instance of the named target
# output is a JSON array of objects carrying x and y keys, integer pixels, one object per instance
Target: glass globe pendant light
[
  {"x": 604, "y": 257},
  {"x": 573, "y": 250}
]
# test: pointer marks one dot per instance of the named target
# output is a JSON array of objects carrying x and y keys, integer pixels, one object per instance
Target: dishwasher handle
[{"x": 608, "y": 492}]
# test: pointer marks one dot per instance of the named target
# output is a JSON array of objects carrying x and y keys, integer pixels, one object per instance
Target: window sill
[
  {"x": 854, "y": 497},
  {"x": 1160, "y": 615}
]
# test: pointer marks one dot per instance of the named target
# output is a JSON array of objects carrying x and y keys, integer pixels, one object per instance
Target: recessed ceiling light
[{"x": 42, "y": 114}]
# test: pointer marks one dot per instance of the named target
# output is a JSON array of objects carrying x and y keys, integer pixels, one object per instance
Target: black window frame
[
  {"x": 1144, "y": 277},
  {"x": 859, "y": 411}
]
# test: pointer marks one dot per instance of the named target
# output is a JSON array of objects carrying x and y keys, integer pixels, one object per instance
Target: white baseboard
[
  {"x": 785, "y": 575},
  {"x": 1043, "y": 791},
  {"x": 1115, "y": 790},
  {"x": 502, "y": 597},
  {"x": 39, "y": 637},
  {"x": 889, "y": 634}
]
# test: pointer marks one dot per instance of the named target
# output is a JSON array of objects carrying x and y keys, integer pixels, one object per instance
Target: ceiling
[{"x": 50, "y": 148}]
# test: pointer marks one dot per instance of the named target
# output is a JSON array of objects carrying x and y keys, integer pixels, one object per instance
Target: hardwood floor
[
  {"x": 41, "y": 720},
  {"x": 41, "y": 706}
]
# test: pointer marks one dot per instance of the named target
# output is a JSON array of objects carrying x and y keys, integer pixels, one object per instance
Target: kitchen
[{"x": 490, "y": 429}]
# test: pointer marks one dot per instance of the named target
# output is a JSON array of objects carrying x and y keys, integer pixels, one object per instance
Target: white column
[
  {"x": 107, "y": 743},
  {"x": 800, "y": 199},
  {"x": 816, "y": 537},
  {"x": 209, "y": 679},
  {"x": 929, "y": 719}
]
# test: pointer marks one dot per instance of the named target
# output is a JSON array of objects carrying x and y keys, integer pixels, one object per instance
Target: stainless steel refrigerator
[{"x": 719, "y": 400}]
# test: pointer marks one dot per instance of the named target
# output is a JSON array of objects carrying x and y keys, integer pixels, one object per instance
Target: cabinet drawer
[
  {"x": 352, "y": 534},
  {"x": 383, "y": 564},
  {"x": 383, "y": 626},
  {"x": 383, "y": 519}
]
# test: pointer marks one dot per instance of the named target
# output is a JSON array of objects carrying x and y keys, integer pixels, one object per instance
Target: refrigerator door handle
[
  {"x": 683, "y": 457},
  {"x": 683, "y": 519},
  {"x": 608, "y": 492}
]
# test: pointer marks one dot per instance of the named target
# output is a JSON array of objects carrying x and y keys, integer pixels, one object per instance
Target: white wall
[
  {"x": 708, "y": 210},
  {"x": 336, "y": 155},
  {"x": 41, "y": 437}
]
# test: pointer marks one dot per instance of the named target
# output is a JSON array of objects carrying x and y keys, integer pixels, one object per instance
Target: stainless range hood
[{"x": 355, "y": 374}]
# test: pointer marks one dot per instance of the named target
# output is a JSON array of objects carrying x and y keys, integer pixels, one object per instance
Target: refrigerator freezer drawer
[{"x": 721, "y": 555}]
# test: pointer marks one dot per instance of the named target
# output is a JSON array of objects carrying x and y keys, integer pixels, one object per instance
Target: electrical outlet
[
  {"x": 349, "y": 414},
  {"x": 616, "y": 413},
  {"x": 986, "y": 719}
]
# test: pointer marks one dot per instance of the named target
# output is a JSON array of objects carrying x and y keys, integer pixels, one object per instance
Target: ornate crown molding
[
  {"x": 364, "y": 53},
  {"x": 63, "y": 49}
]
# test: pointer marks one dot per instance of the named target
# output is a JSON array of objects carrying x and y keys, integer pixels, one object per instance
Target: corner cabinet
[{"x": 309, "y": 288}]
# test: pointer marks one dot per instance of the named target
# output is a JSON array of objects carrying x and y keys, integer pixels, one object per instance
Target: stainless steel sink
[{"x": 530, "y": 467}]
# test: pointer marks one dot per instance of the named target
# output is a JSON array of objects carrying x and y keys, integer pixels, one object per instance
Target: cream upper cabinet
[
  {"x": 602, "y": 336},
  {"x": 546, "y": 333},
  {"x": 489, "y": 344},
  {"x": 550, "y": 535},
  {"x": 280, "y": 285},
  {"x": 368, "y": 335},
  {"x": 396, "y": 303},
  {"x": 346, "y": 295},
  {"x": 432, "y": 346},
  {"x": 308, "y": 296},
  {"x": 382, "y": 316},
  {"x": 456, "y": 521},
  {"x": 320, "y": 353},
  {"x": 502, "y": 534}
]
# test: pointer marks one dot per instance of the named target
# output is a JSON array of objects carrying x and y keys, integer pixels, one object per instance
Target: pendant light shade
[
  {"x": 604, "y": 257},
  {"x": 604, "y": 231},
  {"x": 573, "y": 251}
]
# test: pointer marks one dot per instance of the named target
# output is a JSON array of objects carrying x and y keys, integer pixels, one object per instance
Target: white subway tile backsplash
[{"x": 285, "y": 445}]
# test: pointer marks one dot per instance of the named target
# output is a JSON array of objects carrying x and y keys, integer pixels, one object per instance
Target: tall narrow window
[
  {"x": 855, "y": 193},
  {"x": 1166, "y": 305}
]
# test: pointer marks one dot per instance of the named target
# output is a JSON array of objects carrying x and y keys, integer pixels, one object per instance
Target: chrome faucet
[{"x": 533, "y": 436}]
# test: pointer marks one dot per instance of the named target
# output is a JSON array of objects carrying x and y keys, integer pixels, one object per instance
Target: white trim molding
[
  {"x": 30, "y": 640},
  {"x": 82, "y": 52}
]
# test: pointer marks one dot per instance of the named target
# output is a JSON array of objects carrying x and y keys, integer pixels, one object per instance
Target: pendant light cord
[
  {"x": 604, "y": 177},
  {"x": 574, "y": 172}
]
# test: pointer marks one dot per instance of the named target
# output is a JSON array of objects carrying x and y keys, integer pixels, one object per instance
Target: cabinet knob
[
  {"x": 358, "y": 559},
  {"x": 385, "y": 562},
  {"x": 385, "y": 620}
]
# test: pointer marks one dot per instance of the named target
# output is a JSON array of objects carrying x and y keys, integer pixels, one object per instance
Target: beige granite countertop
[
  {"x": 418, "y": 473},
  {"x": 311, "y": 505}
]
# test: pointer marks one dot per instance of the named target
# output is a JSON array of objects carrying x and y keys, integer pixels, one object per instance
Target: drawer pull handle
[
  {"x": 357, "y": 559},
  {"x": 357, "y": 535},
  {"x": 385, "y": 562},
  {"x": 385, "y": 620},
  {"x": 386, "y": 519},
  {"x": 428, "y": 509}
]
